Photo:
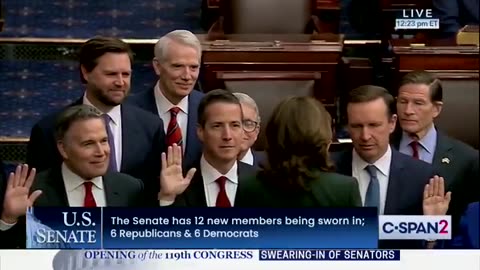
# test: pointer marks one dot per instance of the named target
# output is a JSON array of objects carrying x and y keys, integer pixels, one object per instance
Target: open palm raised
[
  {"x": 172, "y": 181},
  {"x": 17, "y": 198},
  {"x": 435, "y": 201}
]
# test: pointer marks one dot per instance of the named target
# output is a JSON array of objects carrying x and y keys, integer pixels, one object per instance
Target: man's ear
[
  {"x": 200, "y": 133},
  {"x": 437, "y": 107},
  {"x": 84, "y": 72},
  {"x": 61, "y": 149},
  {"x": 393, "y": 123},
  {"x": 156, "y": 66}
]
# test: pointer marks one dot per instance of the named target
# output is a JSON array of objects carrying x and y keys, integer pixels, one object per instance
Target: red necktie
[
  {"x": 89, "y": 199},
  {"x": 222, "y": 198},
  {"x": 174, "y": 133},
  {"x": 414, "y": 145}
]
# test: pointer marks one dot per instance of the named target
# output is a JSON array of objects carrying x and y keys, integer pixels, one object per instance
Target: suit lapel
[
  {"x": 394, "y": 189},
  {"x": 195, "y": 194},
  {"x": 112, "y": 191},
  {"x": 54, "y": 190},
  {"x": 129, "y": 131},
  {"x": 193, "y": 144},
  {"x": 150, "y": 102},
  {"x": 243, "y": 171},
  {"x": 443, "y": 151}
]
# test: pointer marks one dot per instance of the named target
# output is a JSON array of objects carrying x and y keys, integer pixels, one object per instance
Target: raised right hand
[
  {"x": 435, "y": 200},
  {"x": 172, "y": 182},
  {"x": 17, "y": 198}
]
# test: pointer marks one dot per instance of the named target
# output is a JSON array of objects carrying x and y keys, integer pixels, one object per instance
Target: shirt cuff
[
  {"x": 6, "y": 226},
  {"x": 166, "y": 203}
]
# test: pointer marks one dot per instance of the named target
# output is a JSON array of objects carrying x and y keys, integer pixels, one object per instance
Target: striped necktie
[{"x": 174, "y": 133}]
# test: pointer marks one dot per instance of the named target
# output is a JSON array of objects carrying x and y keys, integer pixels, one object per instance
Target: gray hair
[
  {"x": 247, "y": 100},
  {"x": 183, "y": 37},
  {"x": 74, "y": 114}
]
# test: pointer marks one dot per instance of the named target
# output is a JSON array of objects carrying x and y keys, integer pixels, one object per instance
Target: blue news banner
[{"x": 202, "y": 228}]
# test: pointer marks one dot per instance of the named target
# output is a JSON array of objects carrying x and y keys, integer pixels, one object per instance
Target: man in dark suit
[
  {"x": 419, "y": 102},
  {"x": 82, "y": 180},
  {"x": 388, "y": 180},
  {"x": 251, "y": 126},
  {"x": 455, "y": 14},
  {"x": 216, "y": 180},
  {"x": 173, "y": 99},
  {"x": 136, "y": 137}
]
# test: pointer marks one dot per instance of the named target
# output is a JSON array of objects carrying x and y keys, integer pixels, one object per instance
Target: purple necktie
[{"x": 112, "y": 164}]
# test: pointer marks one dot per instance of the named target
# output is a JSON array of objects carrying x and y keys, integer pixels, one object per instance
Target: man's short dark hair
[
  {"x": 424, "y": 77},
  {"x": 96, "y": 47},
  {"x": 74, "y": 114},
  {"x": 367, "y": 93},
  {"x": 214, "y": 96}
]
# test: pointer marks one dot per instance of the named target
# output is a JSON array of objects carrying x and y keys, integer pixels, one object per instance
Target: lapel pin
[{"x": 446, "y": 160}]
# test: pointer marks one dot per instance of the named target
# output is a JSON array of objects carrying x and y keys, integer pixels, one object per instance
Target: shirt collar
[
  {"x": 211, "y": 174},
  {"x": 73, "y": 181},
  {"x": 428, "y": 142},
  {"x": 382, "y": 164},
  {"x": 115, "y": 113},
  {"x": 248, "y": 158},
  {"x": 165, "y": 105}
]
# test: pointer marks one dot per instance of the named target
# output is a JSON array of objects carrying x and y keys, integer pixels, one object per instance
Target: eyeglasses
[{"x": 249, "y": 125}]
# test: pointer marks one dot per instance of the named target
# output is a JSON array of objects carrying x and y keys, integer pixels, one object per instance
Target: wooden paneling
[
  {"x": 327, "y": 5},
  {"x": 400, "y": 4},
  {"x": 440, "y": 56},
  {"x": 326, "y": 14},
  {"x": 264, "y": 66},
  {"x": 213, "y": 3},
  {"x": 322, "y": 57},
  {"x": 318, "y": 4}
]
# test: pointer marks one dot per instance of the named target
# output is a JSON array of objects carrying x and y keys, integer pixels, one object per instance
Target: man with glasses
[{"x": 251, "y": 127}]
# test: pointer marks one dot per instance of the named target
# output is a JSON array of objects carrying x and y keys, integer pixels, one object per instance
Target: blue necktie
[
  {"x": 112, "y": 164},
  {"x": 372, "y": 198}
]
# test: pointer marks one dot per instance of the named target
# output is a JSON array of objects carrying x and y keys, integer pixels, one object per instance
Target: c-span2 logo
[{"x": 415, "y": 227}]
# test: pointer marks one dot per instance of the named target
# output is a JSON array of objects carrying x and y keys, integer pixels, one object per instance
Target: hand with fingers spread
[
  {"x": 435, "y": 201},
  {"x": 17, "y": 198},
  {"x": 172, "y": 181}
]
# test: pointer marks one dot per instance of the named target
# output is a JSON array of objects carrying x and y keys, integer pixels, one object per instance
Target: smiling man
[
  {"x": 135, "y": 137},
  {"x": 81, "y": 180},
  {"x": 173, "y": 99}
]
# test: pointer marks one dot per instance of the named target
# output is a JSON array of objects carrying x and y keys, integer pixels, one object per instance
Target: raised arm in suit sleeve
[{"x": 152, "y": 187}]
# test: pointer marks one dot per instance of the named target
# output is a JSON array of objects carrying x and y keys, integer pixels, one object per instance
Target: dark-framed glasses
[{"x": 249, "y": 125}]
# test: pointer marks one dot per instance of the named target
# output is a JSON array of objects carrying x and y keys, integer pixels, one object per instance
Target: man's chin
[{"x": 409, "y": 129}]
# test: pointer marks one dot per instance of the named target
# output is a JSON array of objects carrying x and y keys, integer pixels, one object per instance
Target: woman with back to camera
[{"x": 298, "y": 171}]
